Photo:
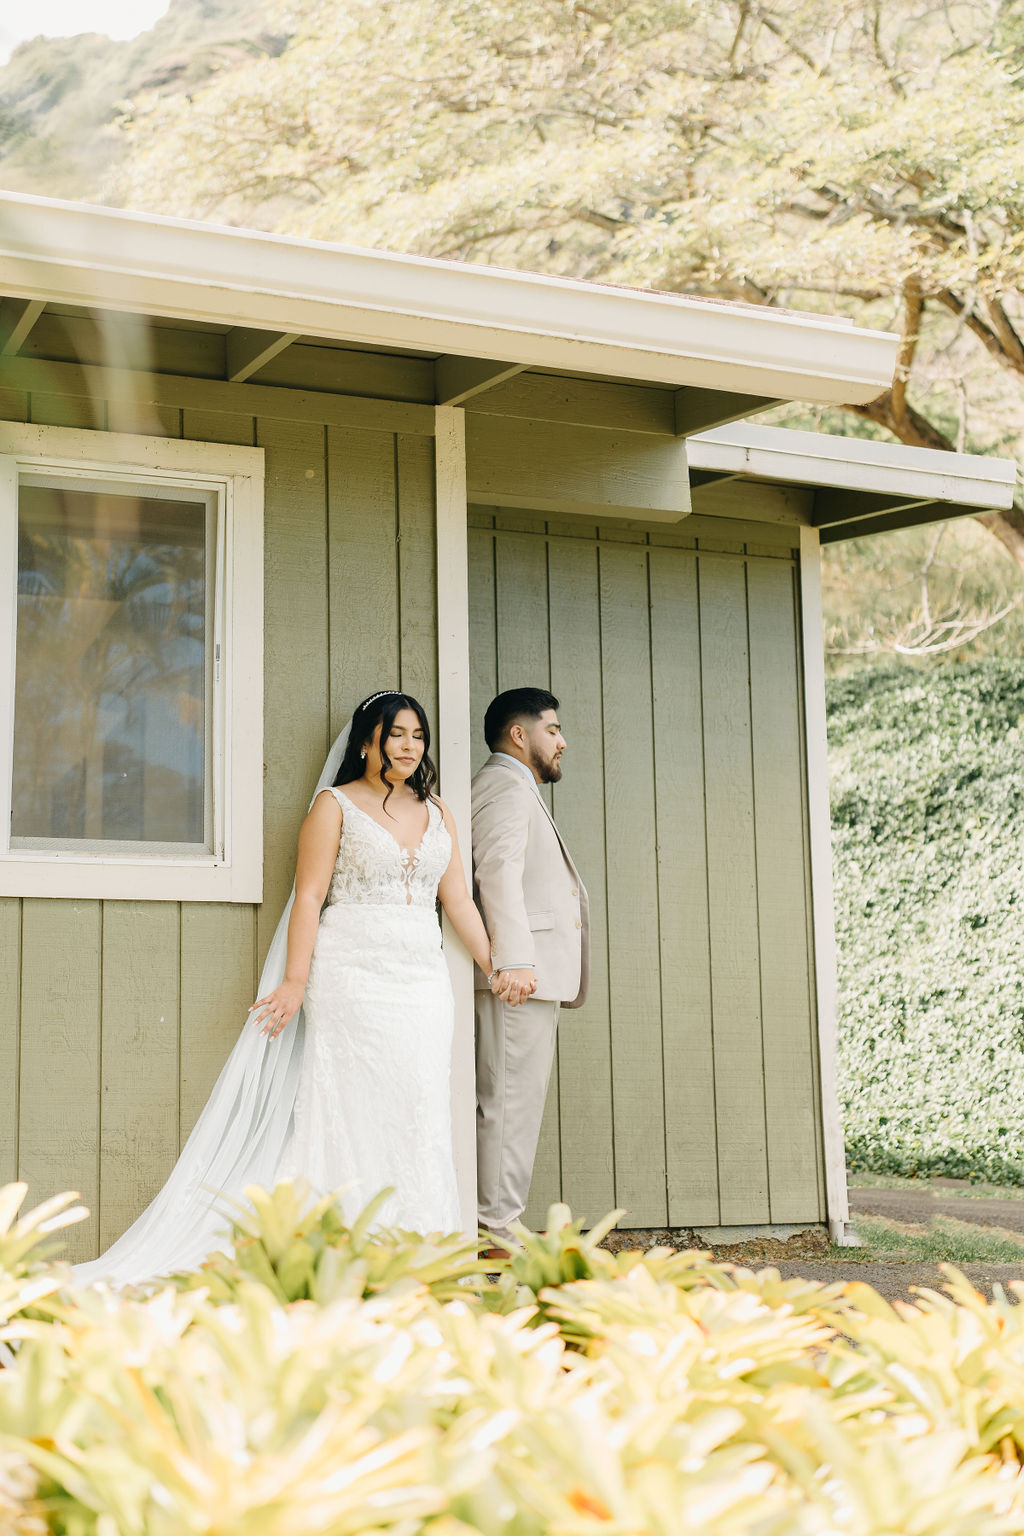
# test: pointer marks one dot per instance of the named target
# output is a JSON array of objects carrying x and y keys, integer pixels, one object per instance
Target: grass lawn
[
  {"x": 947, "y": 1188},
  {"x": 943, "y": 1240}
]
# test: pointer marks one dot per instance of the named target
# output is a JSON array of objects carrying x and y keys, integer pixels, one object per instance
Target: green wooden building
[{"x": 245, "y": 481}]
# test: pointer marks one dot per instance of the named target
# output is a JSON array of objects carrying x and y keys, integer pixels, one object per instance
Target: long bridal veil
[{"x": 239, "y": 1138}]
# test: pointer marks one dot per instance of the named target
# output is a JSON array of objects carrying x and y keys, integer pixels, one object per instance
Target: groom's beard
[{"x": 547, "y": 772}]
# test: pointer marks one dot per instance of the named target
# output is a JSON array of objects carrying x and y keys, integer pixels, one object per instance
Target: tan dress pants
[{"x": 515, "y": 1048}]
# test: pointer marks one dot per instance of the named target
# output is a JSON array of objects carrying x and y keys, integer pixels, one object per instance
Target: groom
[{"x": 535, "y": 909}]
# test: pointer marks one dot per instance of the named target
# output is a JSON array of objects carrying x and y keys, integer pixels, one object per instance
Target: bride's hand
[{"x": 270, "y": 1014}]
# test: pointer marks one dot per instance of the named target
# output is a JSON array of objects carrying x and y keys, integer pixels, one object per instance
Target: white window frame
[{"x": 234, "y": 870}]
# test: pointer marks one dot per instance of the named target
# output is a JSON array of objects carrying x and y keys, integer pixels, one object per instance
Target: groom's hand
[{"x": 514, "y": 987}]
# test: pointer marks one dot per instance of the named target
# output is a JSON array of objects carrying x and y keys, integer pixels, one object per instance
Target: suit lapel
[{"x": 500, "y": 764}]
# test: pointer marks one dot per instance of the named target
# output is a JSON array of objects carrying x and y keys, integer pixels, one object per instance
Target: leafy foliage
[
  {"x": 28, "y": 1285},
  {"x": 927, "y": 788},
  {"x": 302, "y": 1251},
  {"x": 662, "y": 1394},
  {"x": 866, "y": 158},
  {"x": 59, "y": 96}
]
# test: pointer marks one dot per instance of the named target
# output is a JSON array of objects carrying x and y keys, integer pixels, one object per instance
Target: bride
[{"x": 344, "y": 1081}]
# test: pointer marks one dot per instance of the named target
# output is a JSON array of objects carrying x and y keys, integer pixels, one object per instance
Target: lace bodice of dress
[{"x": 372, "y": 867}]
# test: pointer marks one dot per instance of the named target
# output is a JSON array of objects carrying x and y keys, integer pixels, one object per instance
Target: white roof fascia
[
  {"x": 106, "y": 258},
  {"x": 855, "y": 464}
]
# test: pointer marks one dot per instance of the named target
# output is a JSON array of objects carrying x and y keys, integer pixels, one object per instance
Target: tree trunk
[{"x": 917, "y": 432}]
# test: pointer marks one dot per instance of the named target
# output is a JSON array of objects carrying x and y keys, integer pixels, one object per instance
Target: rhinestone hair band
[{"x": 374, "y": 697}]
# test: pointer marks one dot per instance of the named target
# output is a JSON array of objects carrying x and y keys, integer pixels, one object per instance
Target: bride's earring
[{"x": 363, "y": 756}]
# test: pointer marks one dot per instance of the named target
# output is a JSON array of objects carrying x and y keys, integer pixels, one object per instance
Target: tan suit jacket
[{"x": 529, "y": 892}]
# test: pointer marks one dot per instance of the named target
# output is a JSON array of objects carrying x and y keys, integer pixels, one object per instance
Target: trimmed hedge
[{"x": 928, "y": 837}]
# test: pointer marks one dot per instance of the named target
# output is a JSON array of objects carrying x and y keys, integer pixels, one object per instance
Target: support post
[
  {"x": 822, "y": 901},
  {"x": 453, "y": 741}
]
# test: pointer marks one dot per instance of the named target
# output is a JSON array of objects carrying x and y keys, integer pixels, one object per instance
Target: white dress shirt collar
[{"x": 507, "y": 757}]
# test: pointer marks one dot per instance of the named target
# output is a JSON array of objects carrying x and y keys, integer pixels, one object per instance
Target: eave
[
  {"x": 859, "y": 486},
  {"x": 109, "y": 259}
]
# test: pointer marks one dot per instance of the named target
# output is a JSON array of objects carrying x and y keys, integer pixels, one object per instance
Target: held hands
[
  {"x": 270, "y": 1014},
  {"x": 514, "y": 987}
]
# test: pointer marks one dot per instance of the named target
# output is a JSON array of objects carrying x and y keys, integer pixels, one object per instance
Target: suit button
[
  {"x": 579, "y": 925},
  {"x": 575, "y": 892}
]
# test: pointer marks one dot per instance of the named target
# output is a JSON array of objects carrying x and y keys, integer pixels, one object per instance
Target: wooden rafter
[
  {"x": 246, "y": 351},
  {"x": 17, "y": 317},
  {"x": 698, "y": 410},
  {"x": 458, "y": 379}
]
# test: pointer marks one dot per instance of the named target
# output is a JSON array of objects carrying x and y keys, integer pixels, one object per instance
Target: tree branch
[
  {"x": 1004, "y": 344},
  {"x": 913, "y": 309},
  {"x": 1013, "y": 347},
  {"x": 918, "y": 432},
  {"x": 771, "y": 25}
]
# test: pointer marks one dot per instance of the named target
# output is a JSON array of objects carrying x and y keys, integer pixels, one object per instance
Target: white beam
[
  {"x": 548, "y": 467},
  {"x": 454, "y": 732},
  {"x": 16, "y": 321},
  {"x": 109, "y": 258},
  {"x": 458, "y": 379},
  {"x": 822, "y": 900},
  {"x": 246, "y": 351},
  {"x": 854, "y": 464}
]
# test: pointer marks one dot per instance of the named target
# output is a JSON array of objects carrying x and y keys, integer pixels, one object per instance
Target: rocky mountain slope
[{"x": 60, "y": 97}]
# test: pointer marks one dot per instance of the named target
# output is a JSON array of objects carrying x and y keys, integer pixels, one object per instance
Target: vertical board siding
[
  {"x": 139, "y": 1099},
  {"x": 67, "y": 411},
  {"x": 687, "y": 1084},
  {"x": 217, "y": 939},
  {"x": 521, "y": 618},
  {"x": 295, "y": 647},
  {"x": 732, "y": 894},
  {"x": 218, "y": 982},
  {"x": 483, "y": 653},
  {"x": 686, "y": 1088},
  {"x": 630, "y": 822},
  {"x": 780, "y": 819},
  {"x": 691, "y": 1131},
  {"x": 61, "y": 1021},
  {"x": 116, "y": 1018},
  {"x": 417, "y": 574},
  {"x": 521, "y": 611},
  {"x": 363, "y": 547},
  {"x": 149, "y": 419},
  {"x": 60, "y": 1057},
  {"x": 10, "y": 1008},
  {"x": 584, "y": 1034},
  {"x": 14, "y": 405}
]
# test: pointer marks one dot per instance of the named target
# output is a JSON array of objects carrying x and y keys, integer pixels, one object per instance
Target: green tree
[{"x": 861, "y": 157}]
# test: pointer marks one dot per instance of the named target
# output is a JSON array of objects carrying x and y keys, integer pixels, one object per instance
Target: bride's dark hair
[{"x": 383, "y": 707}]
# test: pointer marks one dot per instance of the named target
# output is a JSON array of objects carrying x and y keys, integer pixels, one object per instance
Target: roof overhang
[
  {"x": 108, "y": 259},
  {"x": 860, "y": 486}
]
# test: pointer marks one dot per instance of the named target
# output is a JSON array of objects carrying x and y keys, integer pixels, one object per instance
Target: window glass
[{"x": 113, "y": 678}]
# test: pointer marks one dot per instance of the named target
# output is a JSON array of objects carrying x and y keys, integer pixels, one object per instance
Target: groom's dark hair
[{"x": 512, "y": 705}]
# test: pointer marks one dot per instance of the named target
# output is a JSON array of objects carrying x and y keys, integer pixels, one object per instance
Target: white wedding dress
[
  {"x": 372, "y": 1107},
  {"x": 354, "y": 1094}
]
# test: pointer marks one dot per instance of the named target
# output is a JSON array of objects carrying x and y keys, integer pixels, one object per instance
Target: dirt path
[
  {"x": 894, "y": 1281},
  {"x": 808, "y": 1254},
  {"x": 909, "y": 1205}
]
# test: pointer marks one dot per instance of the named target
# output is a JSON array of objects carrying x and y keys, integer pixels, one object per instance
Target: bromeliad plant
[
  {"x": 28, "y": 1284},
  {"x": 304, "y": 1251},
  {"x": 330, "y": 1381}
]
